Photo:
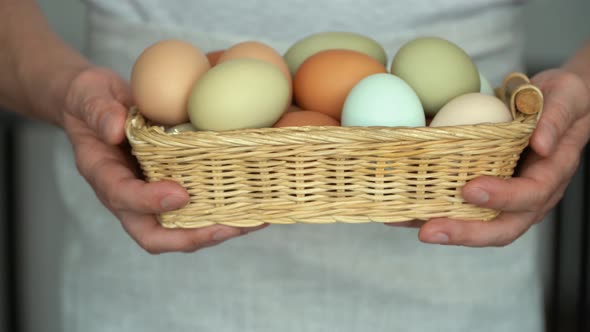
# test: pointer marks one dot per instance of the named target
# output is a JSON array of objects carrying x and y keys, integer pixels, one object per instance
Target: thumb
[
  {"x": 566, "y": 100},
  {"x": 106, "y": 117},
  {"x": 100, "y": 100}
]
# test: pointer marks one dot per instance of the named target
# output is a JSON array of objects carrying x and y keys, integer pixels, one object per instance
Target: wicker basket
[{"x": 334, "y": 174}]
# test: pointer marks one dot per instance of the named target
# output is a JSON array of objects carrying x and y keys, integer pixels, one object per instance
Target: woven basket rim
[{"x": 138, "y": 129}]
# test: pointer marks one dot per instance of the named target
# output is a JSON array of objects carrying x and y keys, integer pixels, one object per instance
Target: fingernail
[
  {"x": 476, "y": 196},
  {"x": 172, "y": 202},
  {"x": 440, "y": 238},
  {"x": 223, "y": 234},
  {"x": 105, "y": 125}
]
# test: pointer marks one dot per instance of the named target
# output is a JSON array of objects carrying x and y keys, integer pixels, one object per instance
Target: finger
[
  {"x": 105, "y": 116},
  {"x": 101, "y": 99},
  {"x": 110, "y": 172},
  {"x": 514, "y": 194},
  {"x": 121, "y": 190},
  {"x": 538, "y": 180},
  {"x": 565, "y": 102},
  {"x": 121, "y": 91},
  {"x": 155, "y": 239},
  {"x": 501, "y": 231}
]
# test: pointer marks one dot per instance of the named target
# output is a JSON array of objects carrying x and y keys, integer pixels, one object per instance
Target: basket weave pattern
[{"x": 327, "y": 174}]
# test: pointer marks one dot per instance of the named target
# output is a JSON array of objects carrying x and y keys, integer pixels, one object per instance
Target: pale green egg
[
  {"x": 239, "y": 94},
  {"x": 437, "y": 69},
  {"x": 312, "y": 44}
]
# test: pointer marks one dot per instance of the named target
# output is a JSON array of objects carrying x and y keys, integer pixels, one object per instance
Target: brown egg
[
  {"x": 305, "y": 118},
  {"x": 324, "y": 80},
  {"x": 256, "y": 50},
  {"x": 162, "y": 79},
  {"x": 214, "y": 56}
]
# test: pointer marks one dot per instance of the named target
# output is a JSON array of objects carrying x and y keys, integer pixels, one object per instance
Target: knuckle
[
  {"x": 104, "y": 186},
  {"x": 81, "y": 164},
  {"x": 192, "y": 244},
  {"x": 113, "y": 199},
  {"x": 558, "y": 117},
  {"x": 571, "y": 167},
  {"x": 538, "y": 195},
  {"x": 575, "y": 82},
  {"x": 505, "y": 239},
  {"x": 152, "y": 251},
  {"x": 504, "y": 242},
  {"x": 145, "y": 242},
  {"x": 566, "y": 77},
  {"x": 542, "y": 197},
  {"x": 94, "y": 110}
]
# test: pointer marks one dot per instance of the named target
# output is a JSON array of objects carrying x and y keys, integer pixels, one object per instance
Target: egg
[
  {"x": 437, "y": 69},
  {"x": 162, "y": 78},
  {"x": 305, "y": 118},
  {"x": 324, "y": 80},
  {"x": 312, "y": 44},
  {"x": 383, "y": 100},
  {"x": 239, "y": 94},
  {"x": 256, "y": 50},
  {"x": 214, "y": 56},
  {"x": 472, "y": 108},
  {"x": 485, "y": 86}
]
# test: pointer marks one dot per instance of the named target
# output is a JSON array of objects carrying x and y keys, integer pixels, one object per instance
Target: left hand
[{"x": 557, "y": 144}]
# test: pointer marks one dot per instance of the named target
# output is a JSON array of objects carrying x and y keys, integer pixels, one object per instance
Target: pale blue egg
[
  {"x": 485, "y": 86},
  {"x": 383, "y": 100}
]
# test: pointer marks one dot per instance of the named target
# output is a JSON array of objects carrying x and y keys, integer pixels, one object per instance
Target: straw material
[{"x": 333, "y": 174}]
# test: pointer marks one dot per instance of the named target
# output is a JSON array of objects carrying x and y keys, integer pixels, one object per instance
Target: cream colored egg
[
  {"x": 472, "y": 108},
  {"x": 162, "y": 79},
  {"x": 239, "y": 94}
]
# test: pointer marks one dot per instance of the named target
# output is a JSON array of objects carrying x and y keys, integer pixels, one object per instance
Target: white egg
[
  {"x": 472, "y": 108},
  {"x": 383, "y": 100}
]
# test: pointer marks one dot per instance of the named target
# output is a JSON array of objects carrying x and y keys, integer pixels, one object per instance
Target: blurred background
[{"x": 554, "y": 30}]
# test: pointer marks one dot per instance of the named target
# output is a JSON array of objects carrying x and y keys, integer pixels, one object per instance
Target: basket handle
[{"x": 520, "y": 95}]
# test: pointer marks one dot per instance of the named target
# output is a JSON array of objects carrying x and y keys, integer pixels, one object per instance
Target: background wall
[{"x": 555, "y": 29}]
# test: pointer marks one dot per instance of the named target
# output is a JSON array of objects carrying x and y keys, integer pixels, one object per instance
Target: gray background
[{"x": 555, "y": 29}]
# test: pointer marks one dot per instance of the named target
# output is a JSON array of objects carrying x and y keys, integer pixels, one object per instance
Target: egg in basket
[{"x": 326, "y": 132}]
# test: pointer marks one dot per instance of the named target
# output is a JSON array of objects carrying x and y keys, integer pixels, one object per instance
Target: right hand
[{"x": 94, "y": 115}]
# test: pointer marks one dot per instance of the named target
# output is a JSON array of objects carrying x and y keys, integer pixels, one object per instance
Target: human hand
[
  {"x": 94, "y": 119},
  {"x": 557, "y": 144}
]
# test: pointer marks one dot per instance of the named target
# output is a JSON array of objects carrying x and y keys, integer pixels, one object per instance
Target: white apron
[{"x": 292, "y": 278}]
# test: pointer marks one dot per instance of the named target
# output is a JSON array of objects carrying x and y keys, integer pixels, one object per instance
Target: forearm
[
  {"x": 579, "y": 63},
  {"x": 36, "y": 65}
]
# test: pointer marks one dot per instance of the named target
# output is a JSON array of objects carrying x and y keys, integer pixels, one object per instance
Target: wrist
[
  {"x": 46, "y": 85},
  {"x": 58, "y": 90}
]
